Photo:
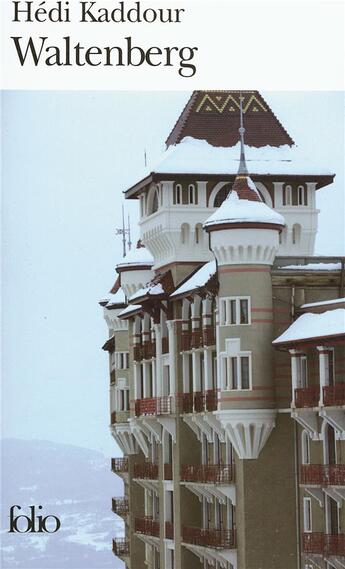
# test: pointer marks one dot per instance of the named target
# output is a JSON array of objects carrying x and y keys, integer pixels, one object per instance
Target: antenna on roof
[
  {"x": 124, "y": 231},
  {"x": 129, "y": 235},
  {"x": 243, "y": 166},
  {"x": 145, "y": 158}
]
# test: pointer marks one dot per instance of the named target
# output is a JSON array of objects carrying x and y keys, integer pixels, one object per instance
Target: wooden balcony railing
[
  {"x": 169, "y": 530},
  {"x": 137, "y": 352},
  {"x": 147, "y": 406},
  {"x": 149, "y": 350},
  {"x": 211, "y": 400},
  {"x": 313, "y": 542},
  {"x": 198, "y": 401},
  {"x": 323, "y": 474},
  {"x": 120, "y": 547},
  {"x": 168, "y": 474},
  {"x": 215, "y": 538},
  {"x": 307, "y": 396},
  {"x": 119, "y": 465},
  {"x": 120, "y": 506},
  {"x": 208, "y": 473},
  {"x": 113, "y": 418},
  {"x": 146, "y": 470},
  {"x": 196, "y": 338},
  {"x": 165, "y": 345},
  {"x": 324, "y": 544},
  {"x": 147, "y": 526},
  {"x": 185, "y": 402},
  {"x": 186, "y": 337},
  {"x": 334, "y": 394},
  {"x": 209, "y": 335}
]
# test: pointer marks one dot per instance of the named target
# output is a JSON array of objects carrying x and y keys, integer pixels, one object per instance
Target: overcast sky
[{"x": 67, "y": 157}]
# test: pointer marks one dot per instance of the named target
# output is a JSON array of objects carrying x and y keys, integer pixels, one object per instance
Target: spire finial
[{"x": 243, "y": 166}]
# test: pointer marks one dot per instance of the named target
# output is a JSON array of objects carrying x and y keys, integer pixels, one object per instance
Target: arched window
[
  {"x": 192, "y": 194},
  {"x": 305, "y": 450},
  {"x": 178, "y": 194},
  {"x": 287, "y": 195},
  {"x": 222, "y": 194},
  {"x": 152, "y": 201},
  {"x": 198, "y": 233},
  {"x": 302, "y": 195},
  {"x": 184, "y": 233},
  {"x": 296, "y": 234}
]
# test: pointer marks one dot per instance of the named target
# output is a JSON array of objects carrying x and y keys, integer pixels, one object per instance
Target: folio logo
[{"x": 32, "y": 523}]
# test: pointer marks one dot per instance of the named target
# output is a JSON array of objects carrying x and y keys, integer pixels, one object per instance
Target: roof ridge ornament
[{"x": 242, "y": 170}]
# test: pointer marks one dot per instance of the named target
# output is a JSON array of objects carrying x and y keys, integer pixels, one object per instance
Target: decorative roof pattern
[{"x": 214, "y": 116}]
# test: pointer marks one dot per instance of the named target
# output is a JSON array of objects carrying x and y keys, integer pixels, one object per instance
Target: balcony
[
  {"x": 186, "y": 337},
  {"x": 146, "y": 470},
  {"x": 185, "y": 402},
  {"x": 324, "y": 544},
  {"x": 169, "y": 530},
  {"x": 205, "y": 400},
  {"x": 147, "y": 526},
  {"x": 214, "y": 538},
  {"x": 208, "y": 473},
  {"x": 196, "y": 338},
  {"x": 137, "y": 352},
  {"x": 334, "y": 395},
  {"x": 113, "y": 418},
  {"x": 120, "y": 547},
  {"x": 209, "y": 336},
  {"x": 148, "y": 350},
  {"x": 168, "y": 474},
  {"x": 119, "y": 465},
  {"x": 120, "y": 506},
  {"x": 322, "y": 474},
  {"x": 307, "y": 396},
  {"x": 155, "y": 406}
]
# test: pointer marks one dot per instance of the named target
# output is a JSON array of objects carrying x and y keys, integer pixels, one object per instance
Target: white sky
[{"x": 67, "y": 157}]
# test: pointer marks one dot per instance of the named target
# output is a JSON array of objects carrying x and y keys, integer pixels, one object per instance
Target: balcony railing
[
  {"x": 168, "y": 474},
  {"x": 164, "y": 405},
  {"x": 120, "y": 506},
  {"x": 169, "y": 530},
  {"x": 185, "y": 402},
  {"x": 137, "y": 352},
  {"x": 208, "y": 473},
  {"x": 146, "y": 470},
  {"x": 113, "y": 418},
  {"x": 196, "y": 338},
  {"x": 165, "y": 345},
  {"x": 334, "y": 394},
  {"x": 324, "y": 544},
  {"x": 198, "y": 401},
  {"x": 119, "y": 465},
  {"x": 120, "y": 547},
  {"x": 148, "y": 350},
  {"x": 215, "y": 538},
  {"x": 186, "y": 337},
  {"x": 307, "y": 396},
  {"x": 323, "y": 474},
  {"x": 147, "y": 526},
  {"x": 209, "y": 335}
]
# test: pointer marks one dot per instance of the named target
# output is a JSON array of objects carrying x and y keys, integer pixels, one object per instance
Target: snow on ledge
[
  {"x": 310, "y": 325},
  {"x": 137, "y": 256},
  {"x": 199, "y": 279},
  {"x": 150, "y": 289},
  {"x": 235, "y": 210},
  {"x": 323, "y": 303},
  {"x": 127, "y": 311},
  {"x": 312, "y": 267}
]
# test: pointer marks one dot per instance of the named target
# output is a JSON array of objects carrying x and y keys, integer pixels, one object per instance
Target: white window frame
[
  {"x": 226, "y": 371},
  {"x": 192, "y": 191},
  {"x": 122, "y": 391},
  {"x": 178, "y": 194},
  {"x": 307, "y": 515},
  {"x": 121, "y": 360},
  {"x": 225, "y": 310},
  {"x": 301, "y": 195},
  {"x": 305, "y": 448},
  {"x": 288, "y": 195}
]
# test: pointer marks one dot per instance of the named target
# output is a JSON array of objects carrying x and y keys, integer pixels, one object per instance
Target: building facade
[{"x": 226, "y": 353}]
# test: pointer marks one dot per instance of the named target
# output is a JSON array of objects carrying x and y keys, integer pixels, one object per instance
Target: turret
[{"x": 135, "y": 270}]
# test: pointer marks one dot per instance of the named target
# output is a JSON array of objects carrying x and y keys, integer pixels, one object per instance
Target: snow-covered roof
[
  {"x": 323, "y": 303},
  {"x": 192, "y": 156},
  {"x": 235, "y": 210},
  {"x": 151, "y": 289},
  {"x": 137, "y": 256},
  {"x": 199, "y": 279},
  {"x": 113, "y": 299},
  {"x": 310, "y": 326},
  {"x": 312, "y": 267},
  {"x": 131, "y": 308}
]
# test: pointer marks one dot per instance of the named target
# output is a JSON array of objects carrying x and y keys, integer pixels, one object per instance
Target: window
[
  {"x": 192, "y": 194},
  {"x": 122, "y": 399},
  {"x": 221, "y": 195},
  {"x": 178, "y": 194},
  {"x": 237, "y": 372},
  {"x": 287, "y": 195},
  {"x": 302, "y": 195},
  {"x": 296, "y": 234},
  {"x": 121, "y": 360},
  {"x": 331, "y": 367},
  {"x": 305, "y": 448},
  {"x": 235, "y": 311},
  {"x": 307, "y": 515}
]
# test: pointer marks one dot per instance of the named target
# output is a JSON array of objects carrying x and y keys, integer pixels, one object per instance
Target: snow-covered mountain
[{"x": 76, "y": 485}]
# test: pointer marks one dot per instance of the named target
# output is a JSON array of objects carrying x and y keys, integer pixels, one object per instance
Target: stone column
[
  {"x": 172, "y": 355},
  {"x": 158, "y": 334},
  {"x": 295, "y": 355},
  {"x": 323, "y": 373}
]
